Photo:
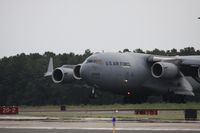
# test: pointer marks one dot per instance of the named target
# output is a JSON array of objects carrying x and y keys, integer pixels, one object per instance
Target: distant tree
[
  {"x": 198, "y": 52},
  {"x": 22, "y": 81},
  {"x": 188, "y": 51},
  {"x": 49, "y": 54},
  {"x": 156, "y": 52},
  {"x": 138, "y": 51},
  {"x": 174, "y": 52},
  {"x": 126, "y": 50},
  {"x": 87, "y": 53},
  {"x": 148, "y": 52}
]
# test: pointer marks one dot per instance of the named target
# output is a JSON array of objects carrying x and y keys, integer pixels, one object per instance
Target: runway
[
  {"x": 95, "y": 126},
  {"x": 82, "y": 131}
]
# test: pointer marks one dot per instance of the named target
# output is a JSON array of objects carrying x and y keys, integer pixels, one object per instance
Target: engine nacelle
[
  {"x": 77, "y": 72},
  {"x": 63, "y": 75},
  {"x": 198, "y": 77},
  {"x": 164, "y": 70}
]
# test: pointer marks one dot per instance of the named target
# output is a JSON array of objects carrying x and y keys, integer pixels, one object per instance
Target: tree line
[{"x": 22, "y": 81}]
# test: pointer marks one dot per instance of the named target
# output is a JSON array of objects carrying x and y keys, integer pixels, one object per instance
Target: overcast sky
[{"x": 60, "y": 26}]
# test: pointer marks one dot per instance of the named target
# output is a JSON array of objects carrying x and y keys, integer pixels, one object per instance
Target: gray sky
[{"x": 60, "y": 26}]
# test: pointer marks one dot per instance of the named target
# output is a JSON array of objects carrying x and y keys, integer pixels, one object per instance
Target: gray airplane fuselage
[
  {"x": 125, "y": 73},
  {"x": 134, "y": 74},
  {"x": 120, "y": 73}
]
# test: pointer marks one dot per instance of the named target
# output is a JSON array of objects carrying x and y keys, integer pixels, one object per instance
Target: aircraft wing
[
  {"x": 190, "y": 60},
  {"x": 188, "y": 65},
  {"x": 181, "y": 60},
  {"x": 182, "y": 65}
]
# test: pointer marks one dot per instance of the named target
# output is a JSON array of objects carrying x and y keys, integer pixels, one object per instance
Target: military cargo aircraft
[{"x": 135, "y": 75}]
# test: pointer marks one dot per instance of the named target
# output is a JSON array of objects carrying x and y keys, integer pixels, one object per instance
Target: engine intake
[
  {"x": 164, "y": 70},
  {"x": 63, "y": 75},
  {"x": 77, "y": 72}
]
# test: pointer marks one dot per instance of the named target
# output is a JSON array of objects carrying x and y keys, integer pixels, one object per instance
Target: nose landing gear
[{"x": 93, "y": 94}]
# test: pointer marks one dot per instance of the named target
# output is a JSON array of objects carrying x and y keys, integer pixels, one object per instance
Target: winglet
[{"x": 50, "y": 68}]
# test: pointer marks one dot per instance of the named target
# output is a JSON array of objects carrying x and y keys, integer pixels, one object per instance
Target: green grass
[
  {"x": 114, "y": 107},
  {"x": 163, "y": 115},
  {"x": 87, "y": 111}
]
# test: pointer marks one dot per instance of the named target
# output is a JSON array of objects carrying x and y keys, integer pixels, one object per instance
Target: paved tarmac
[
  {"x": 95, "y": 127},
  {"x": 84, "y": 131}
]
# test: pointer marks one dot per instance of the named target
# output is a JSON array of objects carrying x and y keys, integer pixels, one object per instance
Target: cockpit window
[
  {"x": 99, "y": 61},
  {"x": 89, "y": 61},
  {"x": 96, "y": 61}
]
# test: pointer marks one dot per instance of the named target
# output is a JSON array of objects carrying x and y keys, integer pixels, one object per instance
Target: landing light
[
  {"x": 126, "y": 81},
  {"x": 129, "y": 93}
]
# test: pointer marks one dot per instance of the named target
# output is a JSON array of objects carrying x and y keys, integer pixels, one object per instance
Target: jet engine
[
  {"x": 197, "y": 78},
  {"x": 63, "y": 75},
  {"x": 164, "y": 70},
  {"x": 77, "y": 73}
]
